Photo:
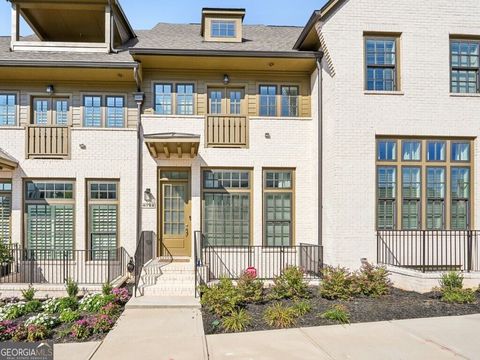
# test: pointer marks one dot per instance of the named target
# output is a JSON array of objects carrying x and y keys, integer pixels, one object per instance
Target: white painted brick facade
[{"x": 352, "y": 119}]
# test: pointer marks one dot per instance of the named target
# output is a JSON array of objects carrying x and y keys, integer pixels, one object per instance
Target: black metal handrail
[
  {"x": 429, "y": 250},
  {"x": 56, "y": 266},
  {"x": 144, "y": 252}
]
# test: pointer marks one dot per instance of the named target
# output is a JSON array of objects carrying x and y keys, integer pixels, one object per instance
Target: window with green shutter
[
  {"x": 411, "y": 189},
  {"x": 5, "y": 211},
  {"x": 460, "y": 195},
  {"x": 435, "y": 198},
  {"x": 226, "y": 209},
  {"x": 386, "y": 197},
  {"x": 103, "y": 219},
  {"x": 278, "y": 195}
]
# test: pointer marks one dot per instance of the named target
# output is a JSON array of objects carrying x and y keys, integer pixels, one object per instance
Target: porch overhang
[
  {"x": 7, "y": 162},
  {"x": 176, "y": 144}
]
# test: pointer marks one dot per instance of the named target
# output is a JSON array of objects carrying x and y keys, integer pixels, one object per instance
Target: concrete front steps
[{"x": 168, "y": 279}]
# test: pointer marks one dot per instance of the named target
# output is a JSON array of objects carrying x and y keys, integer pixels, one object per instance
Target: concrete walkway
[{"x": 434, "y": 338}]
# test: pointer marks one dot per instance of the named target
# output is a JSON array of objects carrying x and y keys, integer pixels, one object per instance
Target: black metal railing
[
  {"x": 214, "y": 262},
  {"x": 429, "y": 250},
  {"x": 144, "y": 252},
  {"x": 54, "y": 266}
]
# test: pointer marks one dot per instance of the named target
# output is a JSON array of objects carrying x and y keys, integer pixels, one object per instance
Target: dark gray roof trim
[
  {"x": 68, "y": 64},
  {"x": 310, "y": 24},
  {"x": 227, "y": 53}
]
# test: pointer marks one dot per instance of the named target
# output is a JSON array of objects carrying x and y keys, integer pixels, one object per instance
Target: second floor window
[
  {"x": 225, "y": 29},
  {"x": 465, "y": 66},
  {"x": 8, "y": 109},
  {"x": 163, "y": 99},
  {"x": 115, "y": 111},
  {"x": 184, "y": 99},
  {"x": 289, "y": 100},
  {"x": 381, "y": 72},
  {"x": 92, "y": 116},
  {"x": 268, "y": 100},
  {"x": 50, "y": 111}
]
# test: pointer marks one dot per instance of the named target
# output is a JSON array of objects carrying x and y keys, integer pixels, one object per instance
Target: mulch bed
[{"x": 397, "y": 305}]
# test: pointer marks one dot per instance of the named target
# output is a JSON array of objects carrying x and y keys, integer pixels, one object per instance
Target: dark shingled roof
[{"x": 167, "y": 37}]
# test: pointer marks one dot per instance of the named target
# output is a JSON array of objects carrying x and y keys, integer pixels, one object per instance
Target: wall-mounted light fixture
[
  {"x": 226, "y": 79},
  {"x": 50, "y": 89},
  {"x": 83, "y": 146},
  {"x": 147, "y": 195},
  {"x": 267, "y": 136}
]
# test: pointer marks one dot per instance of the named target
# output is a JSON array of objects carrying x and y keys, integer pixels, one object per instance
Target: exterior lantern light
[
  {"x": 147, "y": 195},
  {"x": 131, "y": 266},
  {"x": 226, "y": 79},
  {"x": 50, "y": 89}
]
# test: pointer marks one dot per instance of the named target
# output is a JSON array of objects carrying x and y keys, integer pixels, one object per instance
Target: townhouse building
[{"x": 218, "y": 146}]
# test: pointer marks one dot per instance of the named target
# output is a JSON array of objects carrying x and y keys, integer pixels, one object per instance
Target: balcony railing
[
  {"x": 226, "y": 131},
  {"x": 430, "y": 250},
  {"x": 47, "y": 141}
]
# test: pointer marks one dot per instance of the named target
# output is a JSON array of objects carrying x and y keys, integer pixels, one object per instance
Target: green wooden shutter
[
  {"x": 5, "y": 217},
  {"x": 103, "y": 222}
]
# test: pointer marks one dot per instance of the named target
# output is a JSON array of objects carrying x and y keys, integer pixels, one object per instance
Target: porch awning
[
  {"x": 178, "y": 144},
  {"x": 7, "y": 162}
]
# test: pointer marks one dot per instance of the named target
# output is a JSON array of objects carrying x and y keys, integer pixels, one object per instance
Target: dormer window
[
  {"x": 222, "y": 25},
  {"x": 223, "y": 29}
]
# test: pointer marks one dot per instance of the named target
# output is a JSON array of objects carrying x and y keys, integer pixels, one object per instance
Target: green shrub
[
  {"x": 222, "y": 298},
  {"x": 451, "y": 280},
  {"x": 337, "y": 283},
  {"x": 67, "y": 302},
  {"x": 29, "y": 294},
  {"x": 107, "y": 288},
  {"x": 302, "y": 307},
  {"x": 250, "y": 288},
  {"x": 337, "y": 313},
  {"x": 279, "y": 316},
  {"x": 37, "y": 332},
  {"x": 12, "y": 311},
  {"x": 92, "y": 303},
  {"x": 458, "y": 296},
  {"x": 32, "y": 306},
  {"x": 72, "y": 288},
  {"x": 290, "y": 284},
  {"x": 69, "y": 315},
  {"x": 371, "y": 281},
  {"x": 237, "y": 321}
]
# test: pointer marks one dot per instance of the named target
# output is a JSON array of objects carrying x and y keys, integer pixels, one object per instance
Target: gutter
[
  {"x": 320, "y": 150},
  {"x": 68, "y": 64},
  {"x": 226, "y": 53}
]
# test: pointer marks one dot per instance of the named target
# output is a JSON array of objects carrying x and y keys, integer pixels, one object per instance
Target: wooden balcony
[
  {"x": 47, "y": 141},
  {"x": 229, "y": 131}
]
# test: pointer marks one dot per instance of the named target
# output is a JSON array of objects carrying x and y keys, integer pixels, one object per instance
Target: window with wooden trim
[
  {"x": 465, "y": 66},
  {"x": 115, "y": 111},
  {"x": 226, "y": 101},
  {"x": 268, "y": 100},
  {"x": 50, "y": 111},
  {"x": 433, "y": 180},
  {"x": 289, "y": 100},
  {"x": 103, "y": 207},
  {"x": 226, "y": 207},
  {"x": 49, "y": 211},
  {"x": 185, "y": 99},
  {"x": 278, "y": 201},
  {"x": 92, "y": 111},
  {"x": 8, "y": 109},
  {"x": 5, "y": 211},
  {"x": 223, "y": 29},
  {"x": 381, "y": 63},
  {"x": 163, "y": 99}
]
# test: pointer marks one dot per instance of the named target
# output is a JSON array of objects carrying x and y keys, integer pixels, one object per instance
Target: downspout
[{"x": 320, "y": 149}]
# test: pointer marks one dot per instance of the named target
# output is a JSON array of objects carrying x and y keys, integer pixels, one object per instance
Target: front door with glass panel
[
  {"x": 50, "y": 111},
  {"x": 226, "y": 101},
  {"x": 175, "y": 213}
]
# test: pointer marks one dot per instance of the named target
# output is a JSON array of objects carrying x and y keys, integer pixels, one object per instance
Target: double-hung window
[
  {"x": 278, "y": 198},
  {"x": 226, "y": 207},
  {"x": 115, "y": 111},
  {"x": 49, "y": 211},
  {"x": 8, "y": 109},
  {"x": 184, "y": 99},
  {"x": 5, "y": 211},
  {"x": 102, "y": 219},
  {"x": 465, "y": 55},
  {"x": 268, "y": 100},
  {"x": 163, "y": 99},
  {"x": 381, "y": 62},
  {"x": 289, "y": 100},
  {"x": 92, "y": 111}
]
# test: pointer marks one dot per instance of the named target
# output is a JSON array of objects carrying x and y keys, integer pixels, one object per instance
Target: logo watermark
[{"x": 42, "y": 350}]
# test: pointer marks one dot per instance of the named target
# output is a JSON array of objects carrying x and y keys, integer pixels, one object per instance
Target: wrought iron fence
[
  {"x": 144, "y": 253},
  {"x": 214, "y": 262},
  {"x": 53, "y": 266},
  {"x": 429, "y": 250}
]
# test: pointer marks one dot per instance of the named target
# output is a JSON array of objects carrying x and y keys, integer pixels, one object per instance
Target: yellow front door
[{"x": 175, "y": 218}]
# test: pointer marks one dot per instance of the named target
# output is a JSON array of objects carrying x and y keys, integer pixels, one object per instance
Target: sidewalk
[{"x": 434, "y": 338}]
